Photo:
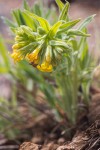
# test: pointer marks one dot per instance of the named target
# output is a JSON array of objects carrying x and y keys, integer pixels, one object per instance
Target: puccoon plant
[{"x": 60, "y": 51}]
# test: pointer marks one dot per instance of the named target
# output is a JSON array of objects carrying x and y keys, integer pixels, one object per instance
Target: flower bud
[{"x": 48, "y": 54}]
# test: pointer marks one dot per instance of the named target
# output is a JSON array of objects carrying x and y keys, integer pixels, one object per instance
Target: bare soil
[
  {"x": 45, "y": 133},
  {"x": 50, "y": 135}
]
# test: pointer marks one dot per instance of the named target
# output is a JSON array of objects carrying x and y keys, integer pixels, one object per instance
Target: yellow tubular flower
[
  {"x": 15, "y": 46},
  {"x": 45, "y": 67},
  {"x": 33, "y": 57},
  {"x": 16, "y": 56}
]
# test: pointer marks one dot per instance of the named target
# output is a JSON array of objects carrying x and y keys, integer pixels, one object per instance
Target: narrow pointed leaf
[
  {"x": 30, "y": 47},
  {"x": 64, "y": 27},
  {"x": 25, "y": 5},
  {"x": 8, "y": 22},
  {"x": 22, "y": 21},
  {"x": 60, "y": 4},
  {"x": 86, "y": 22},
  {"x": 29, "y": 32},
  {"x": 37, "y": 10},
  {"x": 77, "y": 32},
  {"x": 13, "y": 29},
  {"x": 64, "y": 12},
  {"x": 18, "y": 17},
  {"x": 4, "y": 53},
  {"x": 54, "y": 29},
  {"x": 30, "y": 21},
  {"x": 69, "y": 24},
  {"x": 60, "y": 44},
  {"x": 44, "y": 23}
]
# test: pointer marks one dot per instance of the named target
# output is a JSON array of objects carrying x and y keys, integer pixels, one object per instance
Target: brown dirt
[{"x": 49, "y": 135}]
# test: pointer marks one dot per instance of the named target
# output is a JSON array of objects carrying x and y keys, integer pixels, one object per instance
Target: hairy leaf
[
  {"x": 54, "y": 29},
  {"x": 60, "y": 4},
  {"x": 44, "y": 23},
  {"x": 86, "y": 22},
  {"x": 77, "y": 32},
  {"x": 64, "y": 12}
]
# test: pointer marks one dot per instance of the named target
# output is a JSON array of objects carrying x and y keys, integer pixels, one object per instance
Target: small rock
[
  {"x": 37, "y": 139},
  {"x": 53, "y": 136},
  {"x": 61, "y": 141},
  {"x": 29, "y": 146},
  {"x": 65, "y": 148},
  {"x": 50, "y": 146}
]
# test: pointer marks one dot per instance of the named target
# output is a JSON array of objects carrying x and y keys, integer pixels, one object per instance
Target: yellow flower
[
  {"x": 15, "y": 46},
  {"x": 33, "y": 57},
  {"x": 17, "y": 56},
  {"x": 45, "y": 67}
]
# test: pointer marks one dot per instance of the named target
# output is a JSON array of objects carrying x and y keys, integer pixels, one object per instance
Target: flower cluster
[
  {"x": 43, "y": 45},
  {"x": 42, "y": 51}
]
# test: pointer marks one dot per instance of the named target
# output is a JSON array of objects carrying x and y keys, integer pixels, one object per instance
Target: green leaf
[
  {"x": 8, "y": 22},
  {"x": 18, "y": 17},
  {"x": 54, "y": 29},
  {"x": 48, "y": 14},
  {"x": 29, "y": 32},
  {"x": 41, "y": 31},
  {"x": 30, "y": 21},
  {"x": 4, "y": 53},
  {"x": 37, "y": 10},
  {"x": 14, "y": 96},
  {"x": 29, "y": 71},
  {"x": 22, "y": 21},
  {"x": 68, "y": 25},
  {"x": 13, "y": 30},
  {"x": 83, "y": 54},
  {"x": 64, "y": 12},
  {"x": 86, "y": 22},
  {"x": 60, "y": 4},
  {"x": 44, "y": 23},
  {"x": 60, "y": 44},
  {"x": 3, "y": 69},
  {"x": 74, "y": 44},
  {"x": 83, "y": 48},
  {"x": 48, "y": 90},
  {"x": 77, "y": 32},
  {"x": 28, "y": 48},
  {"x": 25, "y": 5}
]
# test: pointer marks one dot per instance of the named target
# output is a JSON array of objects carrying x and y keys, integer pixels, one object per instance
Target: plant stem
[{"x": 74, "y": 95}]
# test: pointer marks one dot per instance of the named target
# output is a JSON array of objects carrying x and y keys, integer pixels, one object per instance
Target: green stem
[{"x": 74, "y": 95}]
